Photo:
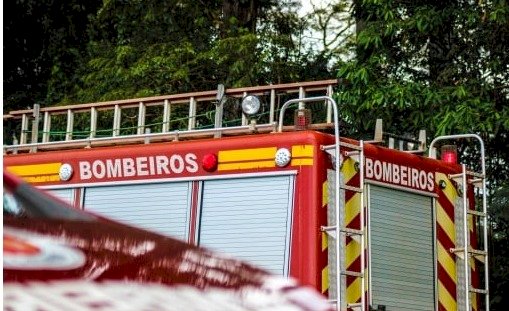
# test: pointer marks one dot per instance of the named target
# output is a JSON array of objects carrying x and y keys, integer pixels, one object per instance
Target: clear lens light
[
  {"x": 250, "y": 105},
  {"x": 65, "y": 172},
  {"x": 283, "y": 157}
]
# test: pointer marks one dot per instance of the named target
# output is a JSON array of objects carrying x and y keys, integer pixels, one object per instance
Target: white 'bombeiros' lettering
[
  {"x": 85, "y": 172},
  {"x": 113, "y": 168},
  {"x": 139, "y": 166},
  {"x": 162, "y": 165},
  {"x": 98, "y": 169},
  {"x": 415, "y": 176},
  {"x": 395, "y": 174},
  {"x": 191, "y": 164},
  {"x": 387, "y": 169},
  {"x": 128, "y": 167},
  {"x": 404, "y": 175},
  {"x": 399, "y": 174},
  {"x": 378, "y": 170},
  {"x": 177, "y": 163}
]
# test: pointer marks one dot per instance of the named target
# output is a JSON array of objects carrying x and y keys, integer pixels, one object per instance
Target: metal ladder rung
[
  {"x": 478, "y": 290},
  {"x": 352, "y": 273},
  {"x": 342, "y": 144},
  {"x": 328, "y": 228},
  {"x": 352, "y": 231},
  {"x": 348, "y": 231},
  {"x": 352, "y": 153},
  {"x": 477, "y": 252},
  {"x": 355, "y": 306},
  {"x": 468, "y": 173},
  {"x": 476, "y": 213},
  {"x": 470, "y": 251},
  {"x": 355, "y": 189},
  {"x": 477, "y": 182},
  {"x": 351, "y": 146}
]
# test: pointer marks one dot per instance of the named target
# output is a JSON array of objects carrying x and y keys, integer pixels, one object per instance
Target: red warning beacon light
[
  {"x": 449, "y": 154},
  {"x": 209, "y": 162}
]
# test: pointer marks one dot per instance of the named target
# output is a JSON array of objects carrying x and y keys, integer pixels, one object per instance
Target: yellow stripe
[
  {"x": 445, "y": 222},
  {"x": 247, "y": 154},
  {"x": 35, "y": 169},
  {"x": 43, "y": 178},
  {"x": 473, "y": 301},
  {"x": 447, "y": 262},
  {"x": 325, "y": 194},
  {"x": 352, "y": 252},
  {"x": 302, "y": 151},
  {"x": 325, "y": 241},
  {"x": 450, "y": 191},
  {"x": 353, "y": 292},
  {"x": 352, "y": 208},
  {"x": 348, "y": 169},
  {"x": 245, "y": 165},
  {"x": 325, "y": 279},
  {"x": 301, "y": 162},
  {"x": 444, "y": 258},
  {"x": 447, "y": 301}
]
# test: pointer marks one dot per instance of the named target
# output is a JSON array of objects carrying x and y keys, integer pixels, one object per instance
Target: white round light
[
  {"x": 283, "y": 157},
  {"x": 65, "y": 172},
  {"x": 250, "y": 105}
]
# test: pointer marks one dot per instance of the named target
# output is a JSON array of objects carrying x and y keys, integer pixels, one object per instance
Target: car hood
[
  {"x": 90, "y": 250},
  {"x": 96, "y": 265}
]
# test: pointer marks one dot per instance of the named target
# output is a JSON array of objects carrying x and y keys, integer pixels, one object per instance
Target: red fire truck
[{"x": 370, "y": 226}]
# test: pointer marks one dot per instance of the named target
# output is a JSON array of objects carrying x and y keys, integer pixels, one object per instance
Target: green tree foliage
[
  {"x": 417, "y": 57},
  {"x": 43, "y": 43},
  {"x": 438, "y": 65},
  {"x": 499, "y": 210},
  {"x": 143, "y": 48},
  {"x": 442, "y": 66},
  {"x": 116, "y": 49}
]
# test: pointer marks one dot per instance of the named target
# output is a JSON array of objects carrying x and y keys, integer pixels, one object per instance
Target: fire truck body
[
  {"x": 271, "y": 199},
  {"x": 244, "y": 206}
]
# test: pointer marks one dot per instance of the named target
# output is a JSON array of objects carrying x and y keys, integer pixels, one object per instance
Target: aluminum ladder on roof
[
  {"x": 466, "y": 255},
  {"x": 336, "y": 228},
  {"x": 145, "y": 117}
]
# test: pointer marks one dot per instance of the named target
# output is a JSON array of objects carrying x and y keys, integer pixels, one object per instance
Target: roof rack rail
[
  {"x": 411, "y": 143},
  {"x": 157, "y": 118}
]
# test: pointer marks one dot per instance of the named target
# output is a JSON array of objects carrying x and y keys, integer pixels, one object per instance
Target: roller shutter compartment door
[
  {"x": 402, "y": 250},
  {"x": 66, "y": 195},
  {"x": 250, "y": 219},
  {"x": 158, "y": 207}
]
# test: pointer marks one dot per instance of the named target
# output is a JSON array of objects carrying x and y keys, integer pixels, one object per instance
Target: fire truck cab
[{"x": 370, "y": 226}]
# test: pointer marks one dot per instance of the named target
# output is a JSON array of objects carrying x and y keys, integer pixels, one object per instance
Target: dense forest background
[{"x": 438, "y": 65}]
